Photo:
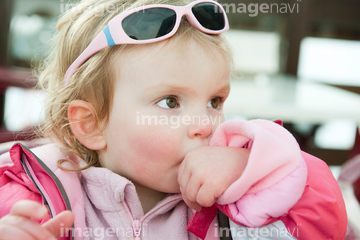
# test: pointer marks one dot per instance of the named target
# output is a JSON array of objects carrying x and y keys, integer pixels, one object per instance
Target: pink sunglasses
[{"x": 153, "y": 23}]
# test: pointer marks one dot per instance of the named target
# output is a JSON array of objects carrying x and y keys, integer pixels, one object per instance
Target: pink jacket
[{"x": 279, "y": 183}]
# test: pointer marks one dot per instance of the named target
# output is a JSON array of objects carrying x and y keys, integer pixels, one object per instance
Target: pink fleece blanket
[
  {"x": 272, "y": 182},
  {"x": 274, "y": 155}
]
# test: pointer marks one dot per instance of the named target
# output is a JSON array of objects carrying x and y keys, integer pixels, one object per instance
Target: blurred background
[{"x": 295, "y": 60}]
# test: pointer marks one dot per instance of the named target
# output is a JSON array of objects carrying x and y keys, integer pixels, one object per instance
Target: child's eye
[
  {"x": 214, "y": 103},
  {"x": 169, "y": 102}
]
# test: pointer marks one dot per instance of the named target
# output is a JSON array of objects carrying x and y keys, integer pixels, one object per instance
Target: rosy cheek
[{"x": 155, "y": 144}]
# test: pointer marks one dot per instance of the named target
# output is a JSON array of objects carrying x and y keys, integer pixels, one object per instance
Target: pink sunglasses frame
[{"x": 115, "y": 31}]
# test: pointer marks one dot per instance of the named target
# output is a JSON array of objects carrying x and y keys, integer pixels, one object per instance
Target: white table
[{"x": 290, "y": 100}]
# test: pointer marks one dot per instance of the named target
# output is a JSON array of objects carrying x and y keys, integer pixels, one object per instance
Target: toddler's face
[{"x": 166, "y": 103}]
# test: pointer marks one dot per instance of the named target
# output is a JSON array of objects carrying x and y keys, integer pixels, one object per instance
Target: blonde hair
[{"x": 93, "y": 81}]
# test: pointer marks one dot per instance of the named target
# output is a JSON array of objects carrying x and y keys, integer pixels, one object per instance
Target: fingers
[
  {"x": 58, "y": 225},
  {"x": 204, "y": 196},
  {"x": 29, "y": 209},
  {"x": 197, "y": 195},
  {"x": 207, "y": 172},
  {"x": 201, "y": 193},
  {"x": 187, "y": 190},
  {"x": 183, "y": 175},
  {"x": 18, "y": 224},
  {"x": 18, "y": 227},
  {"x": 189, "y": 194},
  {"x": 193, "y": 191},
  {"x": 11, "y": 232}
]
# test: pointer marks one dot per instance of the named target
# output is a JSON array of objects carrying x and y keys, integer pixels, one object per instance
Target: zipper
[
  {"x": 137, "y": 229},
  {"x": 137, "y": 223},
  {"x": 30, "y": 173},
  {"x": 32, "y": 176}
]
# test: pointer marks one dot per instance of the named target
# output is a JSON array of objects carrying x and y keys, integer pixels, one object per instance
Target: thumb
[{"x": 60, "y": 224}]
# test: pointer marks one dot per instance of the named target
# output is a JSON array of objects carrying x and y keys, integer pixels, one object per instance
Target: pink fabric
[
  {"x": 112, "y": 202},
  {"x": 320, "y": 213},
  {"x": 49, "y": 154},
  {"x": 272, "y": 182},
  {"x": 49, "y": 189},
  {"x": 14, "y": 185},
  {"x": 275, "y": 173},
  {"x": 274, "y": 154},
  {"x": 255, "y": 209}
]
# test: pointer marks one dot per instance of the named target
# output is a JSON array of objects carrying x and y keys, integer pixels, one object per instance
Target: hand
[
  {"x": 206, "y": 172},
  {"x": 18, "y": 224}
]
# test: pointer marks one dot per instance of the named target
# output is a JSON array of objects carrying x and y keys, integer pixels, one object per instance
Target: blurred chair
[
  {"x": 255, "y": 52},
  {"x": 356, "y": 149},
  {"x": 23, "y": 108},
  {"x": 11, "y": 78},
  {"x": 335, "y": 62},
  {"x": 330, "y": 61}
]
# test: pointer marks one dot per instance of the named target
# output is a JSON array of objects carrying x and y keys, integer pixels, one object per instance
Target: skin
[
  {"x": 18, "y": 224},
  {"x": 161, "y": 158},
  {"x": 158, "y": 80}
]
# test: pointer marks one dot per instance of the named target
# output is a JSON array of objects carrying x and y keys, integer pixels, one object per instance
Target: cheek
[{"x": 155, "y": 144}]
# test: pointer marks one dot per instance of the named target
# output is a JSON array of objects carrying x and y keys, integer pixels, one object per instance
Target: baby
[{"x": 148, "y": 59}]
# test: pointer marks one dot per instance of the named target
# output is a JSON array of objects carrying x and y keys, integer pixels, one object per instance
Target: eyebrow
[
  {"x": 171, "y": 89},
  {"x": 225, "y": 89},
  {"x": 163, "y": 87}
]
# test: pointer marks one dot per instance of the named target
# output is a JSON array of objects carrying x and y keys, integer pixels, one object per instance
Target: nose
[{"x": 201, "y": 129}]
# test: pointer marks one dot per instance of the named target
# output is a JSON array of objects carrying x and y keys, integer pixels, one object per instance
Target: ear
[{"x": 84, "y": 125}]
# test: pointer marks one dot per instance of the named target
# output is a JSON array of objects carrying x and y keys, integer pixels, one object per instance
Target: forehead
[{"x": 168, "y": 62}]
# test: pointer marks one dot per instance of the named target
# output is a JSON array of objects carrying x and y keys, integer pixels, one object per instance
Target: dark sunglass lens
[
  {"x": 209, "y": 15},
  {"x": 149, "y": 23}
]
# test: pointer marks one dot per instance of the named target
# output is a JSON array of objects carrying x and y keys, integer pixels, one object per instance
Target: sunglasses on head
[{"x": 153, "y": 23}]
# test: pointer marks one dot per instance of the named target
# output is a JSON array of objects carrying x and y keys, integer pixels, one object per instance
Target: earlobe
[{"x": 84, "y": 125}]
